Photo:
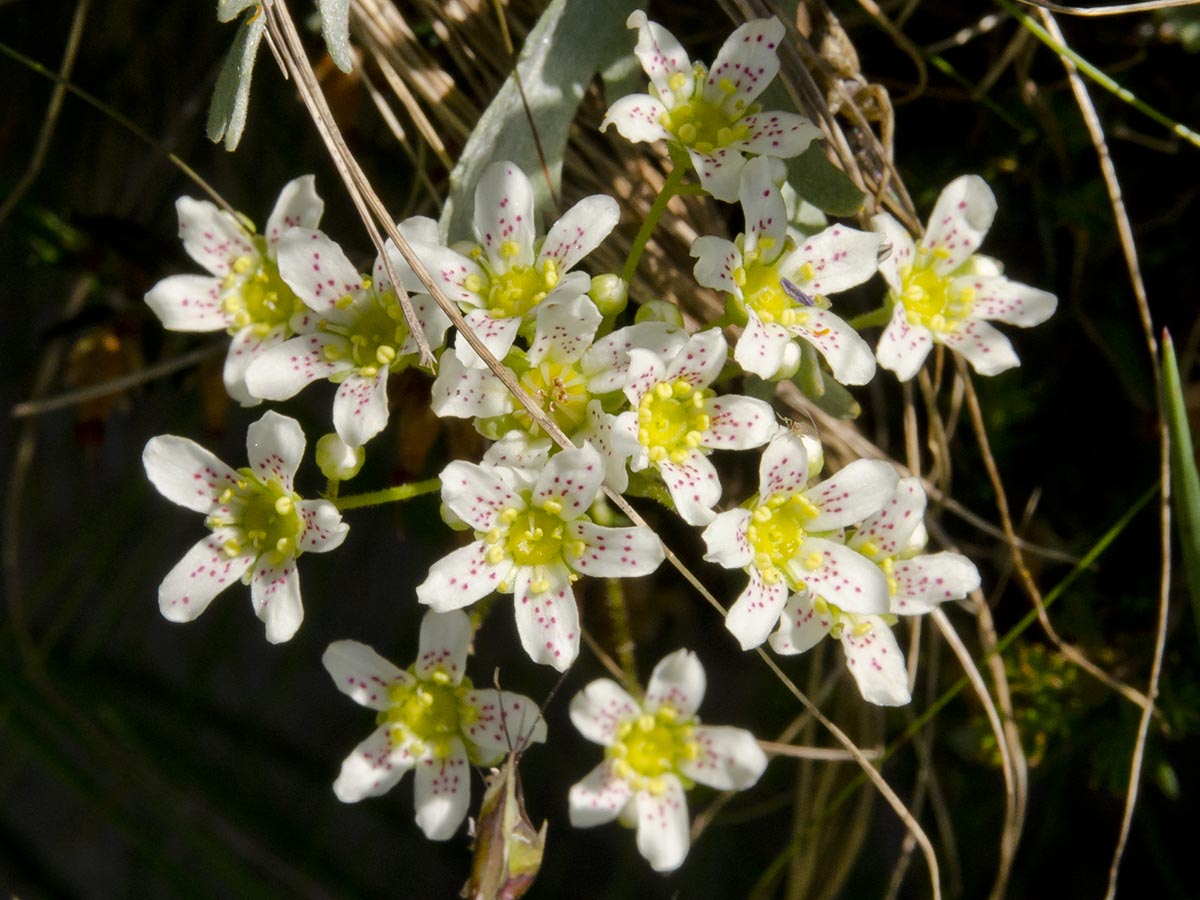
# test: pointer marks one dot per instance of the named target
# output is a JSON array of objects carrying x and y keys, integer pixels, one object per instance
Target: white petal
[
  {"x": 443, "y": 793},
  {"x": 504, "y": 214},
  {"x": 762, "y": 207},
  {"x": 748, "y": 60},
  {"x": 855, "y": 492},
  {"x": 661, "y": 56},
  {"x": 925, "y": 581},
  {"x": 445, "y": 638},
  {"x": 298, "y": 206},
  {"x": 716, "y": 260},
  {"x": 849, "y": 357},
  {"x": 756, "y": 610},
  {"x": 362, "y": 674},
  {"x": 1006, "y": 301},
  {"x": 890, "y": 528},
  {"x": 186, "y": 473},
  {"x": 897, "y": 250},
  {"x": 645, "y": 370},
  {"x": 275, "y": 593},
  {"x": 903, "y": 346},
  {"x": 677, "y": 681},
  {"x": 738, "y": 423},
  {"x": 564, "y": 330},
  {"x": 324, "y": 529},
  {"x": 606, "y": 362},
  {"x": 316, "y": 268},
  {"x": 516, "y": 450},
  {"x": 451, "y": 270},
  {"x": 801, "y": 626},
  {"x": 730, "y": 758},
  {"x": 496, "y": 334},
  {"x": 460, "y": 578},
  {"x": 877, "y": 664},
  {"x": 211, "y": 236},
  {"x": 701, "y": 359},
  {"x": 725, "y": 538},
  {"x": 275, "y": 446},
  {"x": 694, "y": 487},
  {"x": 762, "y": 347},
  {"x": 505, "y": 722},
  {"x": 286, "y": 369},
  {"x": 600, "y": 709},
  {"x": 614, "y": 552},
  {"x": 599, "y": 798},
  {"x": 662, "y": 826},
  {"x": 638, "y": 118},
  {"x": 372, "y": 768},
  {"x": 572, "y": 478},
  {"x": 188, "y": 303},
  {"x": 780, "y": 135},
  {"x": 840, "y": 258},
  {"x": 719, "y": 172},
  {"x": 360, "y": 408},
  {"x": 960, "y": 219},
  {"x": 987, "y": 350},
  {"x": 547, "y": 621},
  {"x": 614, "y": 446},
  {"x": 467, "y": 392},
  {"x": 205, "y": 570},
  {"x": 244, "y": 350},
  {"x": 581, "y": 230},
  {"x": 846, "y": 579},
  {"x": 476, "y": 494},
  {"x": 784, "y": 466}
]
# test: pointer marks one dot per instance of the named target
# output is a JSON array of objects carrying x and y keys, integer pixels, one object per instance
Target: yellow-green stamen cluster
[
  {"x": 776, "y": 531},
  {"x": 701, "y": 124},
  {"x": 515, "y": 291},
  {"x": 560, "y": 390},
  {"x": 269, "y": 520},
  {"x": 759, "y": 281},
  {"x": 257, "y": 296},
  {"x": 651, "y": 746},
  {"x": 531, "y": 537},
  {"x": 426, "y": 715},
  {"x": 376, "y": 336},
  {"x": 930, "y": 299},
  {"x": 672, "y": 420}
]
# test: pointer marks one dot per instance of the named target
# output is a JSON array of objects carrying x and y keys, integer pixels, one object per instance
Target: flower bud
[
  {"x": 610, "y": 293},
  {"x": 337, "y": 460},
  {"x": 659, "y": 311}
]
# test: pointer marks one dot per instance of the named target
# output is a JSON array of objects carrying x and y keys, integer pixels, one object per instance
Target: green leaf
[
  {"x": 820, "y": 387},
  {"x": 231, "y": 97},
  {"x": 571, "y": 42},
  {"x": 1185, "y": 482},
  {"x": 335, "y": 27},
  {"x": 823, "y": 184}
]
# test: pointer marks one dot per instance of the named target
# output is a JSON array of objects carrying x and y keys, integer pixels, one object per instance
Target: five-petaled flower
[
  {"x": 534, "y": 542},
  {"x": 711, "y": 114},
  {"x": 777, "y": 284},
  {"x": 788, "y": 538},
  {"x": 244, "y": 293},
  {"x": 432, "y": 719},
  {"x": 943, "y": 291},
  {"x": 654, "y": 751},
  {"x": 260, "y": 525}
]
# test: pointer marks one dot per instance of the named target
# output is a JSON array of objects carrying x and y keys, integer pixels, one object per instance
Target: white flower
[
  {"x": 943, "y": 292},
  {"x": 500, "y": 281},
  {"x": 789, "y": 538},
  {"x": 676, "y": 420},
  {"x": 654, "y": 751},
  {"x": 260, "y": 525},
  {"x": 778, "y": 283},
  {"x": 430, "y": 718},
  {"x": 711, "y": 113},
  {"x": 243, "y": 293},
  {"x": 355, "y": 335},
  {"x": 534, "y": 542}
]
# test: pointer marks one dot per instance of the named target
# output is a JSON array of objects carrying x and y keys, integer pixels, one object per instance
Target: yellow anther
[
  {"x": 578, "y": 548},
  {"x": 645, "y": 722},
  {"x": 283, "y": 545},
  {"x": 284, "y": 505},
  {"x": 554, "y": 507},
  {"x": 679, "y": 456},
  {"x": 368, "y": 371},
  {"x": 226, "y": 283},
  {"x": 366, "y": 282},
  {"x": 739, "y": 276},
  {"x": 657, "y": 786},
  {"x": 510, "y": 249},
  {"x": 495, "y": 554},
  {"x": 493, "y": 536},
  {"x": 400, "y": 335},
  {"x": 813, "y": 561},
  {"x": 766, "y": 242},
  {"x": 439, "y": 676},
  {"x": 540, "y": 586},
  {"x": 657, "y": 453},
  {"x": 871, "y": 549},
  {"x": 242, "y": 265},
  {"x": 764, "y": 512},
  {"x": 662, "y": 389},
  {"x": 385, "y": 355},
  {"x": 966, "y": 296},
  {"x": 941, "y": 253},
  {"x": 770, "y": 575},
  {"x": 622, "y": 769},
  {"x": 331, "y": 353},
  {"x": 862, "y": 629},
  {"x": 687, "y": 132},
  {"x": 703, "y": 421},
  {"x": 394, "y": 311},
  {"x": 343, "y": 301},
  {"x": 232, "y": 548},
  {"x": 509, "y": 514},
  {"x": 726, "y": 86},
  {"x": 473, "y": 283},
  {"x": 705, "y": 147},
  {"x": 681, "y": 388},
  {"x": 693, "y": 439},
  {"x": 226, "y": 495},
  {"x": 806, "y": 272},
  {"x": 724, "y": 137},
  {"x": 809, "y": 508},
  {"x": 677, "y": 81}
]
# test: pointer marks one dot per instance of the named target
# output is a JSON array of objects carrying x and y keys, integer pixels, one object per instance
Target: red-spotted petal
[
  {"x": 719, "y": 172},
  {"x": 987, "y": 350},
  {"x": 275, "y": 593},
  {"x": 599, "y": 710},
  {"x": 1006, "y": 301},
  {"x": 903, "y": 346},
  {"x": 677, "y": 681},
  {"x": 837, "y": 259},
  {"x": 373, "y": 768},
  {"x": 316, "y": 268},
  {"x": 467, "y": 392},
  {"x": 564, "y": 330},
  {"x": 801, "y": 626},
  {"x": 846, "y": 579},
  {"x": 925, "y": 581},
  {"x": 504, "y": 722},
  {"x": 959, "y": 221},
  {"x": 762, "y": 207},
  {"x": 855, "y": 492},
  {"x": 443, "y": 793},
  {"x": 245, "y": 348},
  {"x": 547, "y": 620},
  {"x": 205, "y": 570},
  {"x": 599, "y": 798},
  {"x": 762, "y": 348},
  {"x": 694, "y": 487},
  {"x": 780, "y": 135},
  {"x": 748, "y": 60},
  {"x": 716, "y": 260},
  {"x": 284, "y": 370},
  {"x": 211, "y": 236},
  {"x": 580, "y": 230},
  {"x": 662, "y": 825},
  {"x": 298, "y": 206},
  {"x": 738, "y": 423},
  {"x": 730, "y": 758},
  {"x": 275, "y": 446},
  {"x": 784, "y": 466},
  {"x": 360, "y": 408},
  {"x": 362, "y": 674},
  {"x": 725, "y": 538},
  {"x": 875, "y": 661},
  {"x": 701, "y": 359},
  {"x": 638, "y": 118},
  {"x": 324, "y": 529},
  {"x": 613, "y": 552},
  {"x": 476, "y": 495},
  {"x": 897, "y": 249},
  {"x": 849, "y": 357},
  {"x": 890, "y": 528},
  {"x": 445, "y": 638},
  {"x": 572, "y": 479},
  {"x": 756, "y": 610},
  {"x": 188, "y": 303},
  {"x": 661, "y": 56},
  {"x": 495, "y": 334},
  {"x": 504, "y": 215},
  {"x": 462, "y": 577},
  {"x": 186, "y": 473}
]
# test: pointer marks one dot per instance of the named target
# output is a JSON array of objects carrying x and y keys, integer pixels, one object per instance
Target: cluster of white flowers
[{"x": 645, "y": 406}]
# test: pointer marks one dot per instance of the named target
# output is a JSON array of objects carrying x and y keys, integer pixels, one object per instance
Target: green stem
[
  {"x": 669, "y": 189},
  {"x": 618, "y": 614},
  {"x": 879, "y": 316},
  {"x": 395, "y": 494}
]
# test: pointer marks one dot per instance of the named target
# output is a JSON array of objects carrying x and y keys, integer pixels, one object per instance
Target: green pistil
[
  {"x": 429, "y": 714},
  {"x": 929, "y": 299},
  {"x": 270, "y": 522},
  {"x": 672, "y": 421},
  {"x": 776, "y": 532},
  {"x": 560, "y": 390},
  {"x": 376, "y": 336},
  {"x": 257, "y": 297},
  {"x": 651, "y": 746}
]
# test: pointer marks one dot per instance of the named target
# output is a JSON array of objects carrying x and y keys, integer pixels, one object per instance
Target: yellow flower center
[
  {"x": 930, "y": 299},
  {"x": 260, "y": 297},
  {"x": 270, "y": 521},
  {"x": 429, "y": 714},
  {"x": 560, "y": 390},
  {"x": 672, "y": 421},
  {"x": 776, "y": 532},
  {"x": 763, "y": 291},
  {"x": 534, "y": 538},
  {"x": 701, "y": 124},
  {"x": 376, "y": 336},
  {"x": 515, "y": 291},
  {"x": 651, "y": 746}
]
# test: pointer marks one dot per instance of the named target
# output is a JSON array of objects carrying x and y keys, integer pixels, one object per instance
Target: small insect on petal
[{"x": 795, "y": 293}]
